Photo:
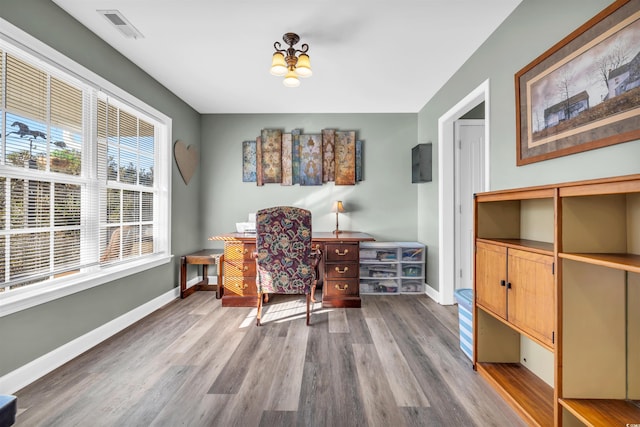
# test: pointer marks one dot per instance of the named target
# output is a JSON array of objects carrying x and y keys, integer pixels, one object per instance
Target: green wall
[
  {"x": 383, "y": 204},
  {"x": 532, "y": 28},
  {"x": 31, "y": 333}
]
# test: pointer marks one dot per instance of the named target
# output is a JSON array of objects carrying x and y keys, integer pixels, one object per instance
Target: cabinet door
[
  {"x": 531, "y": 297},
  {"x": 491, "y": 264}
]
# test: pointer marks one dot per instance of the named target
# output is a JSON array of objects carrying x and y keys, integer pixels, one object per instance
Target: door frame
[
  {"x": 460, "y": 251},
  {"x": 446, "y": 185}
]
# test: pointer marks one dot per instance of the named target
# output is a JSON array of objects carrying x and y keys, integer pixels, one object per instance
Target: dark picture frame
[{"x": 584, "y": 92}]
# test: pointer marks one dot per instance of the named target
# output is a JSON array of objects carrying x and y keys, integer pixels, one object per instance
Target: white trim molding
[{"x": 446, "y": 181}]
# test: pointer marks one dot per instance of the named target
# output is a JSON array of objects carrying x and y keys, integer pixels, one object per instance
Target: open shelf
[
  {"x": 603, "y": 412},
  {"x": 526, "y": 392},
  {"x": 628, "y": 262}
]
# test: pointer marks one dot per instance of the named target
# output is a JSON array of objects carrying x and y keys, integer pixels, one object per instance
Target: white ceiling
[{"x": 375, "y": 56}]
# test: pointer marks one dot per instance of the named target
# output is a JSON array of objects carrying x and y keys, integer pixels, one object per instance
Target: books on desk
[{"x": 246, "y": 227}]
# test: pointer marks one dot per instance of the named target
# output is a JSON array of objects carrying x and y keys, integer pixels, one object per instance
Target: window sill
[{"x": 13, "y": 303}]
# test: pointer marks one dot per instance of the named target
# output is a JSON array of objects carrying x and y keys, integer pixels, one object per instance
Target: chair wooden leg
[
  {"x": 313, "y": 293},
  {"x": 259, "y": 314},
  {"x": 308, "y": 304}
]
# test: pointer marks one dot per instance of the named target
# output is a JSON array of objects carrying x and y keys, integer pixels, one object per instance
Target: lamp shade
[
  {"x": 291, "y": 79},
  {"x": 303, "y": 67},
  {"x": 337, "y": 206},
  {"x": 278, "y": 65}
]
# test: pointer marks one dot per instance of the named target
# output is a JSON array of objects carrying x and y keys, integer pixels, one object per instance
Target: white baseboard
[
  {"x": 433, "y": 294},
  {"x": 26, "y": 374}
]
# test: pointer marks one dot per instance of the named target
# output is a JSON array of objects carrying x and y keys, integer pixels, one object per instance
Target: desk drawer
[
  {"x": 240, "y": 286},
  {"x": 239, "y": 251},
  {"x": 346, "y": 287},
  {"x": 342, "y": 270},
  {"x": 341, "y": 252},
  {"x": 239, "y": 269}
]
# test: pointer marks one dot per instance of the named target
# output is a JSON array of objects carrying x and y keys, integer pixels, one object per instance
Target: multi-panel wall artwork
[{"x": 302, "y": 158}]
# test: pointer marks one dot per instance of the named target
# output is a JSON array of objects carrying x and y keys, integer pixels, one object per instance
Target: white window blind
[
  {"x": 77, "y": 187},
  {"x": 126, "y": 149}
]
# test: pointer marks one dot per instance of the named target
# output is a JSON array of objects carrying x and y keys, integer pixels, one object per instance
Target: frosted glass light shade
[
  {"x": 291, "y": 79},
  {"x": 278, "y": 65},
  {"x": 303, "y": 67}
]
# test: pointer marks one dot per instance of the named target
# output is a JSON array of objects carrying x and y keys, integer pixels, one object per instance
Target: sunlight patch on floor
[{"x": 283, "y": 308}]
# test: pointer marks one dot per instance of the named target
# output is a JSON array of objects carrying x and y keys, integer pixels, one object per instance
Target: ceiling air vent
[{"x": 121, "y": 23}]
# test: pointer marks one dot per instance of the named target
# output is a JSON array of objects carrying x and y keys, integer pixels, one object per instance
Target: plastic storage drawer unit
[{"x": 465, "y": 320}]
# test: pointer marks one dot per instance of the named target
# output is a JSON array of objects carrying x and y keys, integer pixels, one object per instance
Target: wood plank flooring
[{"x": 394, "y": 362}]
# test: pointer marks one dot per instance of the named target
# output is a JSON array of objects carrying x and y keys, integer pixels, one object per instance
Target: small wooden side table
[{"x": 205, "y": 257}]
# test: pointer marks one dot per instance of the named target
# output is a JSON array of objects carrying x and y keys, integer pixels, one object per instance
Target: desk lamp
[{"x": 337, "y": 208}]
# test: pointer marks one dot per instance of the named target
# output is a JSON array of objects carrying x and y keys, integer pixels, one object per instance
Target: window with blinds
[
  {"x": 77, "y": 187},
  {"x": 126, "y": 153}
]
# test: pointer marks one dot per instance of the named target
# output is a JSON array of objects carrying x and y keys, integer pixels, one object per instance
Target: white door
[{"x": 469, "y": 179}]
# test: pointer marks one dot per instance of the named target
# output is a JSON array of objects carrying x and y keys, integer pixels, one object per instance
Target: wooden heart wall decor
[{"x": 187, "y": 159}]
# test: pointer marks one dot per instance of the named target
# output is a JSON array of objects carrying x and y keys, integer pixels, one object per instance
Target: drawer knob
[
  {"x": 346, "y": 251},
  {"x": 342, "y": 271},
  {"x": 246, "y": 251},
  {"x": 245, "y": 268},
  {"x": 343, "y": 288}
]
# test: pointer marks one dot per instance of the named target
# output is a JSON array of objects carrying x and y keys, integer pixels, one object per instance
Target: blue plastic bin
[
  {"x": 464, "y": 297},
  {"x": 8, "y": 409}
]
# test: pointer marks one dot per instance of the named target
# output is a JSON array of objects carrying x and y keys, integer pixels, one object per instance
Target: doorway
[
  {"x": 468, "y": 135},
  {"x": 446, "y": 187}
]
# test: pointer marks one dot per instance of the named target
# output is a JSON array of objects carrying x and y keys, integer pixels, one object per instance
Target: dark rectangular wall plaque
[{"x": 421, "y": 163}]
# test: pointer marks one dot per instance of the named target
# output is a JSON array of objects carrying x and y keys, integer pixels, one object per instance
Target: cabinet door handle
[
  {"x": 342, "y": 271},
  {"x": 242, "y": 252},
  {"x": 509, "y": 285},
  {"x": 346, "y": 251},
  {"x": 502, "y": 283},
  {"x": 344, "y": 288}
]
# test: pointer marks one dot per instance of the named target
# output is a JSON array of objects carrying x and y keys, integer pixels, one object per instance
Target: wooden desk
[
  {"x": 339, "y": 268},
  {"x": 205, "y": 257}
]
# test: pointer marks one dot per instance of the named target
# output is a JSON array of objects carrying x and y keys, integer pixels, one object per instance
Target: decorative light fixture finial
[{"x": 286, "y": 63}]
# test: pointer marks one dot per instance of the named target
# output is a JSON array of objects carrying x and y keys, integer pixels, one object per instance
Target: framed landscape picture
[{"x": 584, "y": 92}]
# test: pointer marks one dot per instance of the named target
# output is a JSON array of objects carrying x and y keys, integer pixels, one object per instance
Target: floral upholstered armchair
[{"x": 285, "y": 261}]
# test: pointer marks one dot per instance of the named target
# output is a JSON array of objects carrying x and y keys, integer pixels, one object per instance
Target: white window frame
[{"x": 40, "y": 293}]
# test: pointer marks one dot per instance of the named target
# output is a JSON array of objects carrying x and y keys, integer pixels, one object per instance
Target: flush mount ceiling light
[{"x": 286, "y": 63}]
